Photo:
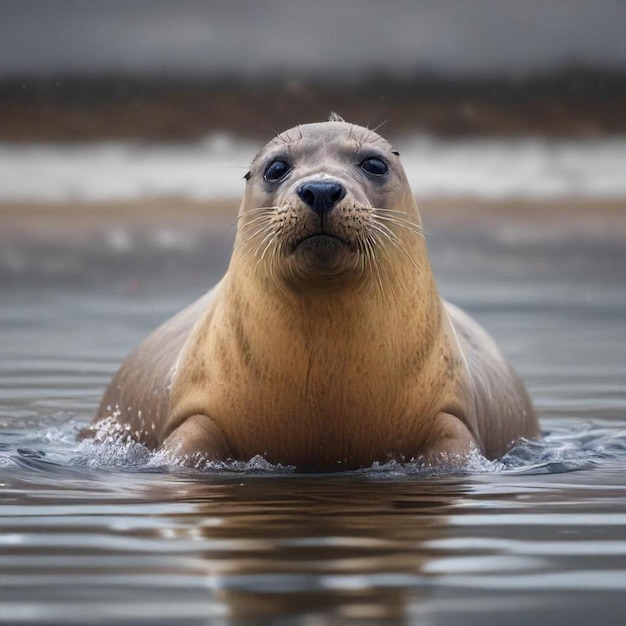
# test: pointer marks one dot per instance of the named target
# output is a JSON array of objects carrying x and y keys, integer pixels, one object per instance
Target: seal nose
[{"x": 321, "y": 195}]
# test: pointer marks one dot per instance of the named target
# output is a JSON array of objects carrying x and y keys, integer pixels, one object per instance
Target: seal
[{"x": 326, "y": 344}]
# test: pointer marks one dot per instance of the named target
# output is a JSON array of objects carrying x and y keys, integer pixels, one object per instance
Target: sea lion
[{"x": 326, "y": 344}]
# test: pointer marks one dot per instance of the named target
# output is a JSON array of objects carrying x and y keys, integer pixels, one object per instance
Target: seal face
[
  {"x": 323, "y": 203},
  {"x": 326, "y": 344}
]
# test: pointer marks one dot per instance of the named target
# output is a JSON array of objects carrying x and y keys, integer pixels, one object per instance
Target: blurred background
[
  {"x": 445, "y": 78},
  {"x": 155, "y": 69},
  {"x": 126, "y": 127}
]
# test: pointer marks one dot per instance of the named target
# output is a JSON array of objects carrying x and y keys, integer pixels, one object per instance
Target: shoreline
[
  {"x": 530, "y": 168},
  {"x": 50, "y": 222}
]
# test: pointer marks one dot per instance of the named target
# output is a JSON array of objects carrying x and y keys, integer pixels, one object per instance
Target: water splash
[{"x": 564, "y": 447}]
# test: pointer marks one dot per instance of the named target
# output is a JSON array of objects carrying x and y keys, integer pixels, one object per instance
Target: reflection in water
[
  {"x": 332, "y": 545},
  {"x": 362, "y": 546},
  {"x": 112, "y": 534}
]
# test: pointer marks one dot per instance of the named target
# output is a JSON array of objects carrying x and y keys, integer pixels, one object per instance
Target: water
[
  {"x": 110, "y": 535},
  {"x": 214, "y": 167}
]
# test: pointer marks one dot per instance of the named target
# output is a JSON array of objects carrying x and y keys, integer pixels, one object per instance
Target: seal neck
[{"x": 377, "y": 307}]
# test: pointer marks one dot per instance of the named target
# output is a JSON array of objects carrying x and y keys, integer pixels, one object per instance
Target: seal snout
[{"x": 321, "y": 195}]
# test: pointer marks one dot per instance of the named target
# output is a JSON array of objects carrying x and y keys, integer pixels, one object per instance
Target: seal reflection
[{"x": 333, "y": 547}]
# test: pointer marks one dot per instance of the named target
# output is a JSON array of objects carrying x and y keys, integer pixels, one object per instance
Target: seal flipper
[
  {"x": 196, "y": 441},
  {"x": 452, "y": 444}
]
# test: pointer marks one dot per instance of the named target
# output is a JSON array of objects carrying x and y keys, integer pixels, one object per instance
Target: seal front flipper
[
  {"x": 452, "y": 444},
  {"x": 196, "y": 441}
]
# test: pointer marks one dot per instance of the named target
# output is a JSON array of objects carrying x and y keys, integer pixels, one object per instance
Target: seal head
[{"x": 319, "y": 203}]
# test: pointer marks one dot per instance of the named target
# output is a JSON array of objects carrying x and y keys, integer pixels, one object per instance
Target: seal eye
[
  {"x": 374, "y": 166},
  {"x": 276, "y": 171}
]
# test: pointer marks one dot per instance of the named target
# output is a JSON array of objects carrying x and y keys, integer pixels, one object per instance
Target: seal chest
[{"x": 326, "y": 343}]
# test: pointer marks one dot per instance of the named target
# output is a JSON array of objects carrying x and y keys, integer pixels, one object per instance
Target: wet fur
[{"x": 326, "y": 344}]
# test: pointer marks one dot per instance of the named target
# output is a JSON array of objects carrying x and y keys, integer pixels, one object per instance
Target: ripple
[{"x": 565, "y": 448}]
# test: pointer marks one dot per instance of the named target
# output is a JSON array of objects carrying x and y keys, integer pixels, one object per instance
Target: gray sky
[{"x": 294, "y": 36}]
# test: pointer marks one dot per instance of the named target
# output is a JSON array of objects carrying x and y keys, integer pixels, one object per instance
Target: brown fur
[{"x": 332, "y": 352}]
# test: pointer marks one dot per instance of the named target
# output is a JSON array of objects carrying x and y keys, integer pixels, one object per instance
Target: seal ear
[{"x": 335, "y": 118}]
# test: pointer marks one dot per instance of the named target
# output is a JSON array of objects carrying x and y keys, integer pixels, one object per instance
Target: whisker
[
  {"x": 269, "y": 238},
  {"x": 373, "y": 244},
  {"x": 399, "y": 218},
  {"x": 364, "y": 253},
  {"x": 256, "y": 220},
  {"x": 402, "y": 222},
  {"x": 393, "y": 238},
  {"x": 259, "y": 222},
  {"x": 375, "y": 265},
  {"x": 376, "y": 128},
  {"x": 382, "y": 230},
  {"x": 386, "y": 211},
  {"x": 251, "y": 237},
  {"x": 263, "y": 231},
  {"x": 389, "y": 266},
  {"x": 265, "y": 212},
  {"x": 265, "y": 209}
]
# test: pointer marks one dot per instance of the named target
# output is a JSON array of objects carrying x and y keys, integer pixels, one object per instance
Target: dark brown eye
[
  {"x": 276, "y": 170},
  {"x": 374, "y": 166}
]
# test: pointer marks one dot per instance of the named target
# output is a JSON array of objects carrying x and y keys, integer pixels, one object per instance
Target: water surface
[
  {"x": 109, "y": 534},
  {"x": 530, "y": 167}
]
